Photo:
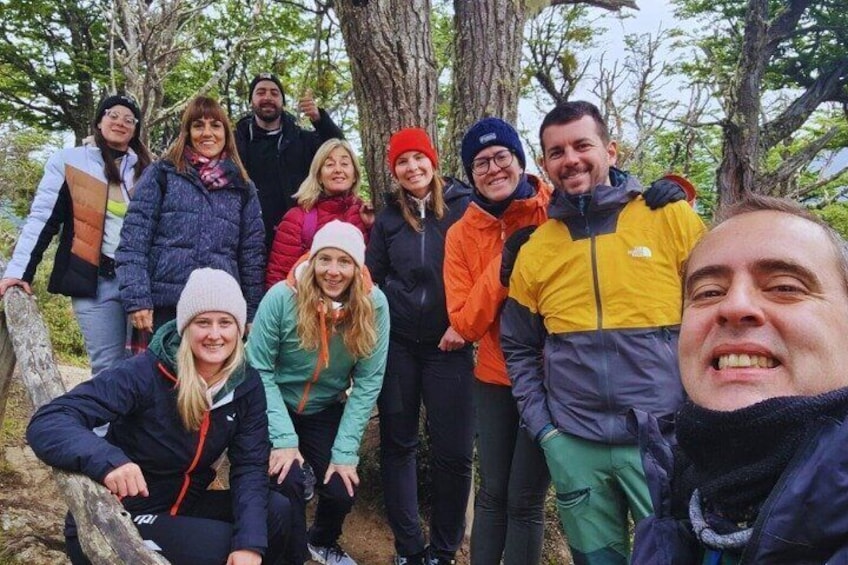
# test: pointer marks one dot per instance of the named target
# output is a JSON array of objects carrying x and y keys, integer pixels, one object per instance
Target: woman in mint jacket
[{"x": 319, "y": 341}]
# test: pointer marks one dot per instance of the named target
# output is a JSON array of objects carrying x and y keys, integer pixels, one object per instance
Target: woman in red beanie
[{"x": 427, "y": 359}]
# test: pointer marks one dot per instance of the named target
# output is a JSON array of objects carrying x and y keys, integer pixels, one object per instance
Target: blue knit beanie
[{"x": 488, "y": 132}]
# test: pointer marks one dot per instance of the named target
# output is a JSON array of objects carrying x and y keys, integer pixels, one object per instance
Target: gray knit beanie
[
  {"x": 340, "y": 235},
  {"x": 211, "y": 290}
]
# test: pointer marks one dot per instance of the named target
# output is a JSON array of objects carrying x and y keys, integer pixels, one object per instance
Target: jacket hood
[
  {"x": 602, "y": 199},
  {"x": 455, "y": 189},
  {"x": 164, "y": 346}
]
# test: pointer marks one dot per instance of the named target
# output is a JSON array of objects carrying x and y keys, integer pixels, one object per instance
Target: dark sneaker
[
  {"x": 330, "y": 555},
  {"x": 417, "y": 559},
  {"x": 434, "y": 559},
  {"x": 309, "y": 481}
]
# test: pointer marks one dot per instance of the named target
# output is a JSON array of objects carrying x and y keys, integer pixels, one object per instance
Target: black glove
[
  {"x": 510, "y": 251},
  {"x": 662, "y": 192}
]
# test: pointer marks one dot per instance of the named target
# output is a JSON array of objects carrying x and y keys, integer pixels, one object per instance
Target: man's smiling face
[{"x": 765, "y": 313}]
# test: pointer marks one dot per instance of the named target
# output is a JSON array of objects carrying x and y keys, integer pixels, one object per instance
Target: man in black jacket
[{"x": 275, "y": 150}]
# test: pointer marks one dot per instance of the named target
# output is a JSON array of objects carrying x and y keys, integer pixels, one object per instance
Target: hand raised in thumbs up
[{"x": 308, "y": 106}]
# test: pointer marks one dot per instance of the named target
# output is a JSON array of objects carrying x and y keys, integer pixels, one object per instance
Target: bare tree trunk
[
  {"x": 147, "y": 42},
  {"x": 741, "y": 147},
  {"x": 107, "y": 534},
  {"x": 488, "y": 38},
  {"x": 393, "y": 66}
]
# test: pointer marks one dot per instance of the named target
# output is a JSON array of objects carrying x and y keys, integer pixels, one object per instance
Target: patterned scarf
[{"x": 216, "y": 173}]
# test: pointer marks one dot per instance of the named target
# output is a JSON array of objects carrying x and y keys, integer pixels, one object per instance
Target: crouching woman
[
  {"x": 172, "y": 411},
  {"x": 314, "y": 339}
]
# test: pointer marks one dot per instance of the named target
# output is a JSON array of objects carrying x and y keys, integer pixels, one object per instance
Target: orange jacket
[{"x": 472, "y": 275}]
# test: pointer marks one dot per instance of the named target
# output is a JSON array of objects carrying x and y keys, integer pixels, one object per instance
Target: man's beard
[{"x": 268, "y": 113}]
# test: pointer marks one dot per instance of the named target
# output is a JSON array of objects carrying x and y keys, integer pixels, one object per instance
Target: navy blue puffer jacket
[
  {"x": 138, "y": 399},
  {"x": 174, "y": 225},
  {"x": 803, "y": 521}
]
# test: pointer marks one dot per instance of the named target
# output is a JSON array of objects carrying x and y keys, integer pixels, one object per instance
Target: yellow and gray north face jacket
[{"x": 591, "y": 323}]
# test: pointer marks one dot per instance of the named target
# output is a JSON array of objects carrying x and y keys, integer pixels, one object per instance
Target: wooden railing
[{"x": 106, "y": 532}]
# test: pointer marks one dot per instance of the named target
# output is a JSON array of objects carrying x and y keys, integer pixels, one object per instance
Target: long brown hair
[
  {"x": 204, "y": 107},
  {"x": 357, "y": 326},
  {"x": 110, "y": 169},
  {"x": 436, "y": 203}
]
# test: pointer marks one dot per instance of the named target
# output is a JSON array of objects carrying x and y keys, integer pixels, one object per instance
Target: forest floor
[{"x": 32, "y": 510}]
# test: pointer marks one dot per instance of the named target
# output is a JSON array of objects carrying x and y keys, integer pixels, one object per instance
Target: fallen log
[{"x": 106, "y": 531}]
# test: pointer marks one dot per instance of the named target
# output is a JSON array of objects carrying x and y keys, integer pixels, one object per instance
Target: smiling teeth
[{"x": 744, "y": 360}]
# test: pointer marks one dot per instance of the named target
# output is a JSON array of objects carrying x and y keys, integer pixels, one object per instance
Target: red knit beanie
[{"x": 411, "y": 139}]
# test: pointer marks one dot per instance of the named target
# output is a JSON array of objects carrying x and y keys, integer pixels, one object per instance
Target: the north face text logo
[{"x": 640, "y": 252}]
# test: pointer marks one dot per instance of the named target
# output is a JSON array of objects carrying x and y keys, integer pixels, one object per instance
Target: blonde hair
[
  {"x": 357, "y": 325},
  {"x": 204, "y": 107},
  {"x": 191, "y": 388},
  {"x": 436, "y": 203},
  {"x": 310, "y": 189}
]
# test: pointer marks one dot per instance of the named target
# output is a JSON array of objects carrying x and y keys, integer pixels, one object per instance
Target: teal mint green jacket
[{"x": 288, "y": 372}]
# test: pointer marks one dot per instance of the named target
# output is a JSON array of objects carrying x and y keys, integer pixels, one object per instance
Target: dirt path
[{"x": 32, "y": 510}]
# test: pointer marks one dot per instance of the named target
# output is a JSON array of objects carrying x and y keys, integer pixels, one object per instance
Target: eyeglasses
[
  {"x": 126, "y": 118},
  {"x": 502, "y": 159}
]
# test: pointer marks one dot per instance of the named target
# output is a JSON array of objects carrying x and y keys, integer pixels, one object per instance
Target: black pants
[
  {"x": 202, "y": 535},
  {"x": 162, "y": 315},
  {"x": 416, "y": 372},
  {"x": 316, "y": 434}
]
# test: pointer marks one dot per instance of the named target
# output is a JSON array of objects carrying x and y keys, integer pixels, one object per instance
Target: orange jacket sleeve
[{"x": 474, "y": 296}]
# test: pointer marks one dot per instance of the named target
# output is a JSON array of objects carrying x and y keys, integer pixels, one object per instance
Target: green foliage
[
  {"x": 53, "y": 61},
  {"x": 22, "y": 163},
  {"x": 442, "y": 29},
  {"x": 673, "y": 150},
  {"x": 557, "y": 41},
  {"x": 837, "y": 216},
  {"x": 55, "y": 309},
  {"x": 816, "y": 46}
]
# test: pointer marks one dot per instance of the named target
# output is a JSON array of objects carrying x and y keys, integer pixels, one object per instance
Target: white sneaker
[{"x": 330, "y": 555}]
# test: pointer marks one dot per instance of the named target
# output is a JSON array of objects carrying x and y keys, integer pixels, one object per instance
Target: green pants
[{"x": 596, "y": 485}]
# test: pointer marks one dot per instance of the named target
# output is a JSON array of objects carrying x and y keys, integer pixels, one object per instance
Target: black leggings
[{"x": 195, "y": 540}]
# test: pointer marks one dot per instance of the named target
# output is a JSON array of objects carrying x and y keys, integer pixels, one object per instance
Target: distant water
[{"x": 7, "y": 213}]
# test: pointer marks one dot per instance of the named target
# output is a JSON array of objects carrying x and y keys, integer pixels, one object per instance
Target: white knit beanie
[
  {"x": 340, "y": 235},
  {"x": 211, "y": 290}
]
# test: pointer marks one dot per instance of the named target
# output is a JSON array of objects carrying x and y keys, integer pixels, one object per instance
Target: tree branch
[
  {"x": 798, "y": 160},
  {"x": 786, "y": 23},
  {"x": 825, "y": 88}
]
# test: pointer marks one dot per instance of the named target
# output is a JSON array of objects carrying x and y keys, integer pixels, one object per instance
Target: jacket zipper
[
  {"x": 422, "y": 255},
  {"x": 204, "y": 429},
  {"x": 305, "y": 398}
]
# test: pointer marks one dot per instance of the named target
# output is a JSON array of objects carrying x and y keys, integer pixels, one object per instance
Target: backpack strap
[{"x": 310, "y": 226}]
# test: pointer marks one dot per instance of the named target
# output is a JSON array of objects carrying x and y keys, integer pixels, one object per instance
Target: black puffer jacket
[{"x": 407, "y": 265}]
